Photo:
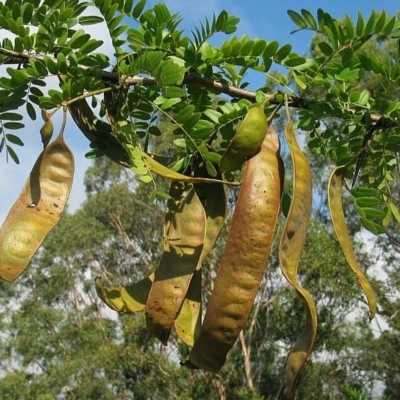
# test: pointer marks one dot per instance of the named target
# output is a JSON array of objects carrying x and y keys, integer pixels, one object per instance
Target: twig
[{"x": 191, "y": 77}]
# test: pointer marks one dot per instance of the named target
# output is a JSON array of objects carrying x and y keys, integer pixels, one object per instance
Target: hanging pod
[
  {"x": 47, "y": 129},
  {"x": 335, "y": 186},
  {"x": 38, "y": 208},
  {"x": 247, "y": 140},
  {"x": 184, "y": 235},
  {"x": 128, "y": 299},
  {"x": 244, "y": 259},
  {"x": 133, "y": 298},
  {"x": 290, "y": 248},
  {"x": 213, "y": 198}
]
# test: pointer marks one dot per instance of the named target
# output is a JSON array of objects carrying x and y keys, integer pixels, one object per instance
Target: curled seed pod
[
  {"x": 185, "y": 226},
  {"x": 335, "y": 186},
  {"x": 38, "y": 208},
  {"x": 187, "y": 323},
  {"x": 290, "y": 248},
  {"x": 247, "y": 140},
  {"x": 244, "y": 259},
  {"x": 128, "y": 299},
  {"x": 46, "y": 131}
]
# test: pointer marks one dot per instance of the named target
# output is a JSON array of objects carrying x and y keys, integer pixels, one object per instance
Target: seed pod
[
  {"x": 290, "y": 248},
  {"x": 335, "y": 186},
  {"x": 244, "y": 259},
  {"x": 187, "y": 323},
  {"x": 161, "y": 170},
  {"x": 46, "y": 131},
  {"x": 247, "y": 140},
  {"x": 128, "y": 299},
  {"x": 184, "y": 239},
  {"x": 38, "y": 208}
]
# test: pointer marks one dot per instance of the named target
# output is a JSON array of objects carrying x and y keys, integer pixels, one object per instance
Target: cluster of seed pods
[{"x": 171, "y": 297}]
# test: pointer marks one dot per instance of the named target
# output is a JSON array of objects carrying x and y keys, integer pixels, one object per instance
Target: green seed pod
[
  {"x": 244, "y": 259},
  {"x": 247, "y": 140},
  {"x": 38, "y": 208}
]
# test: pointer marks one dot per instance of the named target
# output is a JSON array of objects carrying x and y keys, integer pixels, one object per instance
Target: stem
[
  {"x": 191, "y": 77},
  {"x": 247, "y": 364}
]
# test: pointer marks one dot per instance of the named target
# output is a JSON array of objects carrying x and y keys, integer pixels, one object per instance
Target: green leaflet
[
  {"x": 335, "y": 186},
  {"x": 290, "y": 248}
]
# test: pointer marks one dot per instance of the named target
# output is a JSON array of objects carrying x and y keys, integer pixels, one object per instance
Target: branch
[
  {"x": 247, "y": 363},
  {"x": 13, "y": 57}
]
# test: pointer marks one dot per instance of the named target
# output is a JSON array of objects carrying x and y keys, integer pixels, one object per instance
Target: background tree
[{"x": 161, "y": 74}]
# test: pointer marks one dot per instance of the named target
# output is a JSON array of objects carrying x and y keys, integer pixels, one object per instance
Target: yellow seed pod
[
  {"x": 335, "y": 187},
  {"x": 128, "y": 299},
  {"x": 290, "y": 248},
  {"x": 38, "y": 208},
  {"x": 247, "y": 140}
]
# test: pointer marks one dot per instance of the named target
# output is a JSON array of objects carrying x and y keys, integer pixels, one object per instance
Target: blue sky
[
  {"x": 264, "y": 19},
  {"x": 269, "y": 19}
]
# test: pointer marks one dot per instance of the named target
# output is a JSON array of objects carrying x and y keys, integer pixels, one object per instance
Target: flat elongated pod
[
  {"x": 127, "y": 299},
  {"x": 160, "y": 169},
  {"x": 188, "y": 321},
  {"x": 244, "y": 259},
  {"x": 184, "y": 230},
  {"x": 290, "y": 248},
  {"x": 38, "y": 208},
  {"x": 213, "y": 197},
  {"x": 247, "y": 140},
  {"x": 335, "y": 188}
]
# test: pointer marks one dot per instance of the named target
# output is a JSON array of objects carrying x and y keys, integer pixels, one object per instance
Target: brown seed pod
[
  {"x": 38, "y": 208},
  {"x": 213, "y": 197},
  {"x": 244, "y": 259},
  {"x": 184, "y": 229}
]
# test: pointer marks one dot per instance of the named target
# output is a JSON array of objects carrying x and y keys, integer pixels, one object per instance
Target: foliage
[{"x": 160, "y": 74}]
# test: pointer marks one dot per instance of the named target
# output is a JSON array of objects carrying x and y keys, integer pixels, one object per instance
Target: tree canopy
[{"x": 174, "y": 105}]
